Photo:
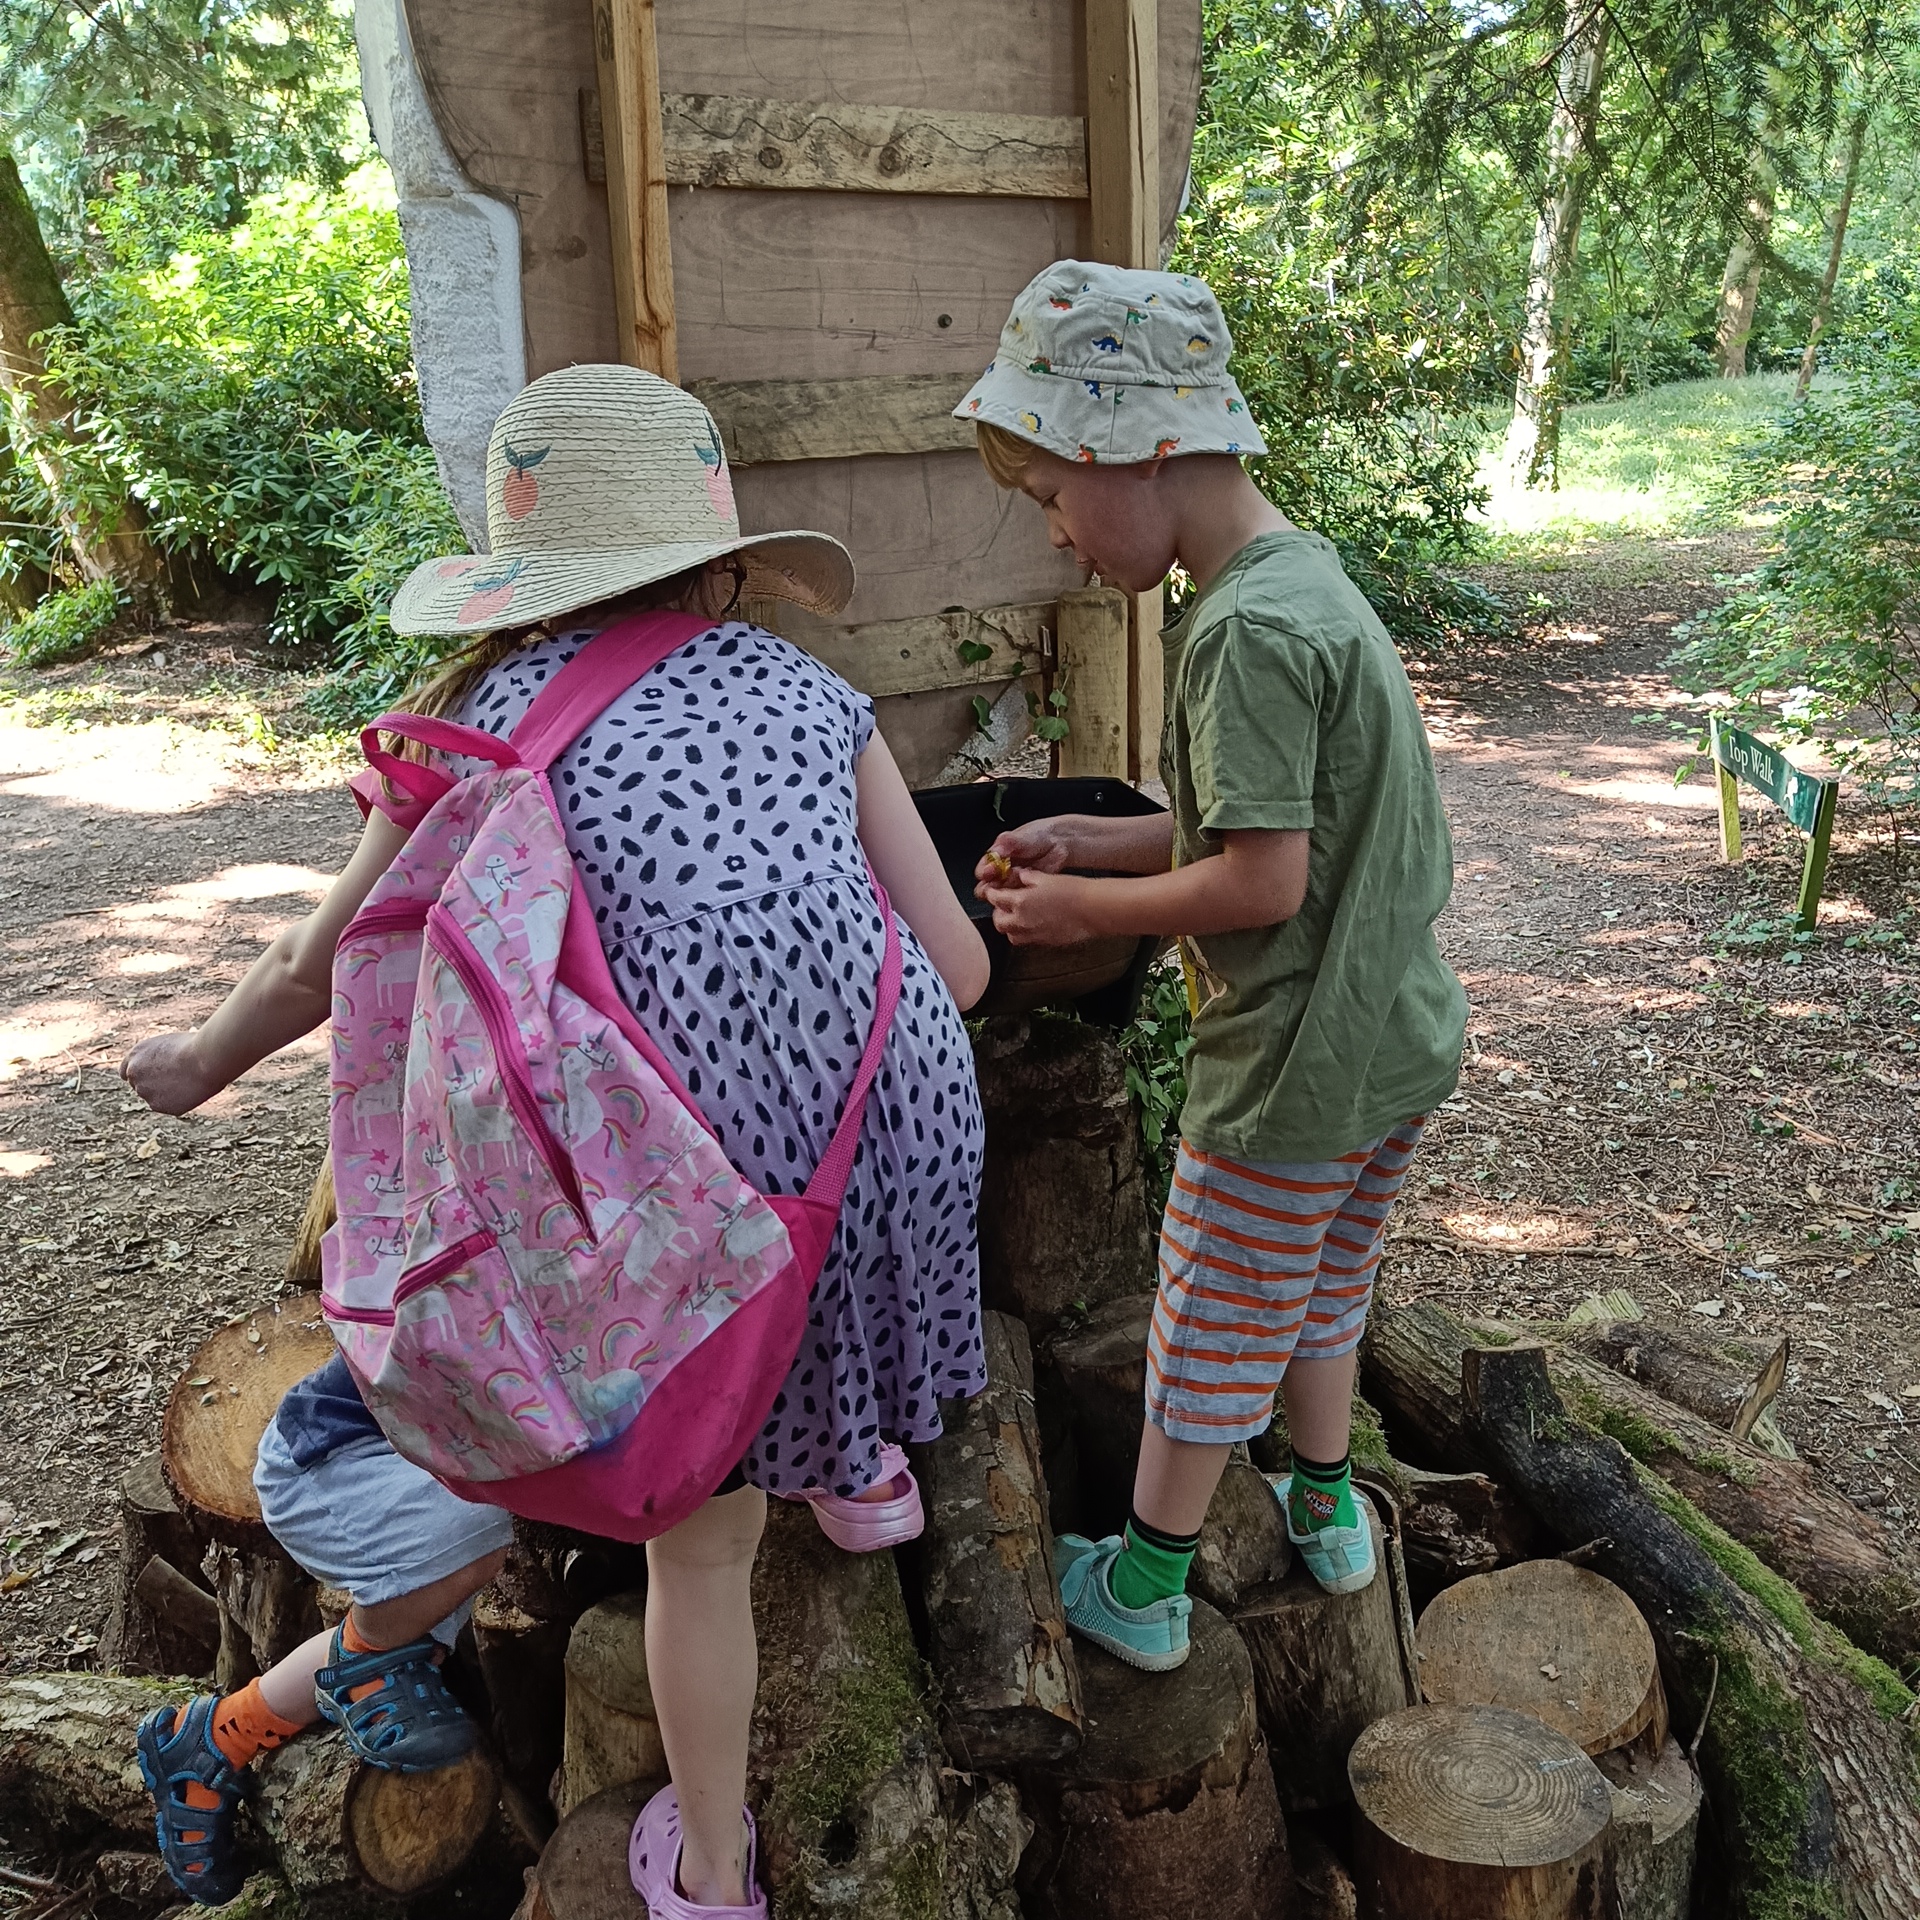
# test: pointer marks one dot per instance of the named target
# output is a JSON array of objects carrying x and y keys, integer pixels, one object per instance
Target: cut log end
[
  {"x": 582, "y": 1872},
  {"x": 1552, "y": 1640},
  {"x": 1477, "y": 1813},
  {"x": 410, "y": 1831}
]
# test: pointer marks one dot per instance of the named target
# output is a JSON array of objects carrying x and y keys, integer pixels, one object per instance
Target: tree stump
[
  {"x": 996, "y": 1632},
  {"x": 523, "y": 1661},
  {"x": 1168, "y": 1807},
  {"x": 209, "y": 1436},
  {"x": 1325, "y": 1667},
  {"x": 1656, "y": 1830},
  {"x": 1243, "y": 1545},
  {"x": 303, "y": 1257},
  {"x": 1100, "y": 1373},
  {"x": 343, "y": 1832},
  {"x": 1323, "y": 1888},
  {"x": 582, "y": 1873},
  {"x": 1456, "y": 1524},
  {"x": 1555, "y": 1641},
  {"x": 1478, "y": 1813},
  {"x": 612, "y": 1735},
  {"x": 155, "y": 1627},
  {"x": 1063, "y": 1207}
]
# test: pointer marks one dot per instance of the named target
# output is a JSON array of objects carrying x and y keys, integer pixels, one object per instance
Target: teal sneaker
[
  {"x": 1153, "y": 1638},
  {"x": 1339, "y": 1558}
]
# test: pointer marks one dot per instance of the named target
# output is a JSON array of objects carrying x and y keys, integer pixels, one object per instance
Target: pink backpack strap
[
  {"x": 594, "y": 678},
  {"x": 420, "y": 784}
]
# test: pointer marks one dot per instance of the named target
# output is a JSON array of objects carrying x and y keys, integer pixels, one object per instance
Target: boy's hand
[
  {"x": 1041, "y": 909},
  {"x": 1042, "y": 846},
  {"x": 167, "y": 1073}
]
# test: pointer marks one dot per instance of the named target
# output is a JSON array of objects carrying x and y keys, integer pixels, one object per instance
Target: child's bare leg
[
  {"x": 703, "y": 1667},
  {"x": 1174, "y": 1482},
  {"x": 1318, "y": 1395}
]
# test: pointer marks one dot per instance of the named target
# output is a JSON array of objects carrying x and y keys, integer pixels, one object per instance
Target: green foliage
[
  {"x": 254, "y": 388},
  {"x": 1824, "y": 639},
  {"x": 63, "y": 624},
  {"x": 1156, "y": 1046}
]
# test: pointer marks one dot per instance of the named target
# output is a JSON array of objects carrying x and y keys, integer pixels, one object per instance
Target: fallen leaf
[
  {"x": 1552, "y": 1673},
  {"x": 148, "y": 1147},
  {"x": 1710, "y": 1309},
  {"x": 15, "y": 1581}
]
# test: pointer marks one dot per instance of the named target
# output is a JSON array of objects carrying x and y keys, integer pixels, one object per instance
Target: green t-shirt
[{"x": 1288, "y": 707}]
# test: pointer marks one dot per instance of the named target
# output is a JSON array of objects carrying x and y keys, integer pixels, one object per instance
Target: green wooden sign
[{"x": 1806, "y": 799}]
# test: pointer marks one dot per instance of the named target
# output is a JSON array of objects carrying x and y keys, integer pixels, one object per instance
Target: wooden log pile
[{"x": 1654, "y": 1676}]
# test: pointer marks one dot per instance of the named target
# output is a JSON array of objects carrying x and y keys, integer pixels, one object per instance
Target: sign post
[{"x": 1805, "y": 798}]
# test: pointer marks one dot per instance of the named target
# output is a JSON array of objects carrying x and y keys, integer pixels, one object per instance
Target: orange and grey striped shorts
[{"x": 1260, "y": 1260}]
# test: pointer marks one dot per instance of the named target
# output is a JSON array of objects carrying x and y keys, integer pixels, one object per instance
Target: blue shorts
[{"x": 365, "y": 1519}]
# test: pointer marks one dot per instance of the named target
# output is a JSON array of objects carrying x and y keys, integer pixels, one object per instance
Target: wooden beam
[
  {"x": 925, "y": 653},
  {"x": 628, "y": 63},
  {"x": 1146, "y": 686},
  {"x": 1123, "y": 130},
  {"x": 768, "y": 420},
  {"x": 722, "y": 140},
  {"x": 1093, "y": 674}
]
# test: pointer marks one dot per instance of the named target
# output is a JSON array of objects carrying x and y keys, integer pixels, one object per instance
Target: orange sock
[
  {"x": 243, "y": 1726},
  {"x": 352, "y": 1640}
]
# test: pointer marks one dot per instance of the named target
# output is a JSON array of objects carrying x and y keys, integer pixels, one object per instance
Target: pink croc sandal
[
  {"x": 653, "y": 1865},
  {"x": 866, "y": 1526}
]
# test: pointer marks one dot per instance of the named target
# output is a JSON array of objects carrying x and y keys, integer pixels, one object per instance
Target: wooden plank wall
[{"x": 902, "y": 279}]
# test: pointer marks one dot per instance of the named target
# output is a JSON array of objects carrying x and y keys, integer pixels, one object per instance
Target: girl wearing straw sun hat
[{"x": 722, "y": 813}]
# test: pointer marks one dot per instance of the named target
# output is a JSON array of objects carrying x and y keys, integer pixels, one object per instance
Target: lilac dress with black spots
[{"x": 711, "y": 811}]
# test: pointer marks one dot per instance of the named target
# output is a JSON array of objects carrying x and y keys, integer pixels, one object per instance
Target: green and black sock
[
  {"x": 1322, "y": 1494},
  {"x": 1154, "y": 1565}
]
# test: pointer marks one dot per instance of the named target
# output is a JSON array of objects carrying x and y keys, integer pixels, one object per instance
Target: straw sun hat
[{"x": 601, "y": 479}]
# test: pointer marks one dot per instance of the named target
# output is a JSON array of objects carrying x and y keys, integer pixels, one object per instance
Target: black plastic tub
[{"x": 1099, "y": 979}]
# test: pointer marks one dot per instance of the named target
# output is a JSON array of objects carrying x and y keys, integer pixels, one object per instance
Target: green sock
[
  {"x": 1154, "y": 1565},
  {"x": 1322, "y": 1495}
]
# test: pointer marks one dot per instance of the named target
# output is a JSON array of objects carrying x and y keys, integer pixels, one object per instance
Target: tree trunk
[
  {"x": 348, "y": 1836},
  {"x": 1740, "y": 283},
  {"x": 996, "y": 1632},
  {"x": 1836, "y": 248},
  {"x": 1811, "y": 1775},
  {"x": 1168, "y": 1807},
  {"x": 1656, "y": 1826},
  {"x": 67, "y": 1753},
  {"x": 612, "y": 1730},
  {"x": 1687, "y": 1370},
  {"x": 1839, "y": 1557},
  {"x": 110, "y": 547},
  {"x": 1479, "y": 1813},
  {"x": 154, "y": 1628},
  {"x": 1063, "y": 1205},
  {"x": 1551, "y": 1640},
  {"x": 1539, "y": 394},
  {"x": 1325, "y": 1666}
]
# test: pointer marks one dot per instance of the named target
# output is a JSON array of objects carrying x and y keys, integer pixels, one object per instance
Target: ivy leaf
[
  {"x": 982, "y": 714},
  {"x": 972, "y": 652}
]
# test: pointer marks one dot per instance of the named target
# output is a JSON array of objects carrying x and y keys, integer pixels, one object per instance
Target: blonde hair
[{"x": 1004, "y": 455}]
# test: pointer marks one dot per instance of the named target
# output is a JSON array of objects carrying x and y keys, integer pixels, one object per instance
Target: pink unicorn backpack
[{"x": 555, "y": 1291}]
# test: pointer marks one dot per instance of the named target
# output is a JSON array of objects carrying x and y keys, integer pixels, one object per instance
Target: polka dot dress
[{"x": 711, "y": 811}]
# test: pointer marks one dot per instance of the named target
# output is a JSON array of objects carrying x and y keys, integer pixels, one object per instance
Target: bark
[
  {"x": 1551, "y": 1640},
  {"x": 1836, "y": 249},
  {"x": 1539, "y": 394},
  {"x": 303, "y": 1257},
  {"x": 1811, "y": 1778},
  {"x": 1687, "y": 1370},
  {"x": 1322, "y": 1887},
  {"x": 1243, "y": 1546},
  {"x": 67, "y": 1753},
  {"x": 1839, "y": 1557},
  {"x": 268, "y": 1606},
  {"x": 154, "y": 1628},
  {"x": 1740, "y": 282},
  {"x": 1325, "y": 1667},
  {"x": 1453, "y": 1525},
  {"x": 996, "y": 1632},
  {"x": 1063, "y": 1208},
  {"x": 350, "y": 1838},
  {"x": 1096, "y": 1378},
  {"x": 1168, "y": 1807},
  {"x": 523, "y": 1663},
  {"x": 112, "y": 546},
  {"x": 1479, "y": 1813},
  {"x": 1656, "y": 1825},
  {"x": 612, "y": 1733}
]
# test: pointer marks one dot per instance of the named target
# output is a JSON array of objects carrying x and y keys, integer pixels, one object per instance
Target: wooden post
[
  {"x": 1123, "y": 183},
  {"x": 629, "y": 66},
  {"x": 1813, "y": 874},
  {"x": 1729, "y": 800},
  {"x": 1092, "y": 656}
]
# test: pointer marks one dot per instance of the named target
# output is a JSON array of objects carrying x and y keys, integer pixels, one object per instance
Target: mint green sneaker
[
  {"x": 1339, "y": 1558},
  {"x": 1153, "y": 1638}
]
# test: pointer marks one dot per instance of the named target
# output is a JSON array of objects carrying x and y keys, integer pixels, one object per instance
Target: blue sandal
[
  {"x": 196, "y": 1843},
  {"x": 411, "y": 1723}
]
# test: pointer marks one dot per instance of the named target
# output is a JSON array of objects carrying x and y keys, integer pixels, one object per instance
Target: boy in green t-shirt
[{"x": 1304, "y": 862}]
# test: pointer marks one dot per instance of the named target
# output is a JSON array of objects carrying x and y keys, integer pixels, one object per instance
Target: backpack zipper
[{"x": 428, "y": 1273}]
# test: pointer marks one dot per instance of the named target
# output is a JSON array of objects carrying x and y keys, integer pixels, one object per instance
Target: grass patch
[{"x": 1655, "y": 463}]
